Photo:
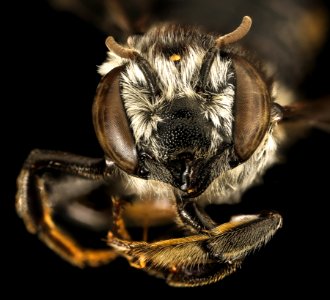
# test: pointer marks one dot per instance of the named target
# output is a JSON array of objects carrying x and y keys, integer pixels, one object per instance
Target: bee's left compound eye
[{"x": 112, "y": 125}]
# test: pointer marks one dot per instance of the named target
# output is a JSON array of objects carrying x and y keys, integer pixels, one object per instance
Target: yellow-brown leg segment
[
  {"x": 56, "y": 239},
  {"x": 118, "y": 226},
  {"x": 68, "y": 248},
  {"x": 52, "y": 180},
  {"x": 204, "y": 258}
]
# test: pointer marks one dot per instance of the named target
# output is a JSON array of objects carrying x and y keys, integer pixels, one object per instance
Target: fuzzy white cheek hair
[{"x": 229, "y": 186}]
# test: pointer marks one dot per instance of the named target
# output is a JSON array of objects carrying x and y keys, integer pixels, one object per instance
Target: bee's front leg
[
  {"x": 203, "y": 258},
  {"x": 208, "y": 255},
  {"x": 65, "y": 199},
  {"x": 197, "y": 220},
  {"x": 193, "y": 216}
]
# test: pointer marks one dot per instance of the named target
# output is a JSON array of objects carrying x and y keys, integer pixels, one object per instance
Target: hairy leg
[{"x": 203, "y": 258}]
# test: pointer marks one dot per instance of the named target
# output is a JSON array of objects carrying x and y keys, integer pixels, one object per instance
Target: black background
[{"x": 51, "y": 83}]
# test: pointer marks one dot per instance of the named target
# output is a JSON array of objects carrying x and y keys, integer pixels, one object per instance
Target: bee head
[{"x": 179, "y": 106}]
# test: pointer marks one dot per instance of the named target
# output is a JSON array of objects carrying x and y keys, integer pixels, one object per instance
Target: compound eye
[
  {"x": 111, "y": 123},
  {"x": 251, "y": 109}
]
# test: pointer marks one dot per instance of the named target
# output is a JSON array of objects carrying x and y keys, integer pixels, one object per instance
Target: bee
[{"x": 185, "y": 119}]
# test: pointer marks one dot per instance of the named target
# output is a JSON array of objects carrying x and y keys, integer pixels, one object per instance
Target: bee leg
[
  {"x": 118, "y": 226},
  {"x": 52, "y": 189},
  {"x": 202, "y": 258},
  {"x": 198, "y": 221},
  {"x": 194, "y": 217}
]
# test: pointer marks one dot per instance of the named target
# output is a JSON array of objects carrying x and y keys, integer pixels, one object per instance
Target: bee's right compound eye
[
  {"x": 112, "y": 125},
  {"x": 252, "y": 109}
]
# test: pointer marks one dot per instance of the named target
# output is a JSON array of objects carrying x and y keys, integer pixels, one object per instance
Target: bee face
[
  {"x": 184, "y": 128},
  {"x": 191, "y": 111}
]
